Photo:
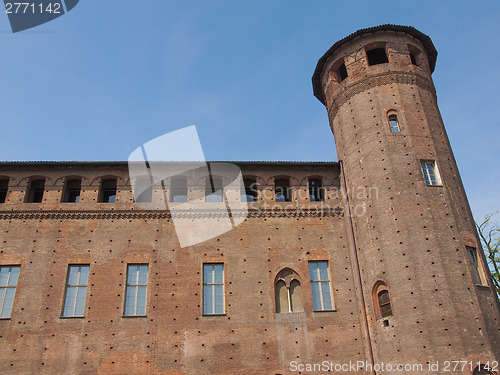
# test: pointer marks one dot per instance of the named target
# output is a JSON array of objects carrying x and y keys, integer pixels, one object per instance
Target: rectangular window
[
  {"x": 282, "y": 190},
  {"x": 8, "y": 282},
  {"x": 393, "y": 122},
  {"x": 76, "y": 290},
  {"x": 320, "y": 286},
  {"x": 135, "y": 295},
  {"x": 178, "y": 190},
  {"x": 342, "y": 72},
  {"x": 377, "y": 56},
  {"x": 249, "y": 194},
  {"x": 474, "y": 263},
  {"x": 108, "y": 191},
  {"x": 430, "y": 172},
  {"x": 143, "y": 190},
  {"x": 72, "y": 191},
  {"x": 315, "y": 190},
  {"x": 35, "y": 191},
  {"x": 213, "y": 289},
  {"x": 4, "y": 186},
  {"x": 213, "y": 189}
]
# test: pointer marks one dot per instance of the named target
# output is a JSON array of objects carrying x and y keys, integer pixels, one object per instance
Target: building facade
[{"x": 345, "y": 266}]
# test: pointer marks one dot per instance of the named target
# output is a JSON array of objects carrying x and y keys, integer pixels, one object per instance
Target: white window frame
[
  {"x": 3, "y": 291},
  {"x": 426, "y": 174},
  {"x": 212, "y": 285},
  {"x": 136, "y": 285},
  {"x": 323, "y": 283},
  {"x": 77, "y": 287}
]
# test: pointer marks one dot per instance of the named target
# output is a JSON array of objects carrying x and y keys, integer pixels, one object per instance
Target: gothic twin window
[{"x": 288, "y": 292}]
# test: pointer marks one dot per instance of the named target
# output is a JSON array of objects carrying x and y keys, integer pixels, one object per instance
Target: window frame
[
  {"x": 103, "y": 190},
  {"x": 136, "y": 287},
  {"x": 4, "y": 189},
  {"x": 320, "y": 189},
  {"x": 320, "y": 282},
  {"x": 32, "y": 190},
  {"x": 476, "y": 268},
  {"x": 67, "y": 191},
  {"x": 288, "y": 190},
  {"x": 5, "y": 288},
  {"x": 77, "y": 287},
  {"x": 427, "y": 178},
  {"x": 213, "y": 285},
  {"x": 393, "y": 116},
  {"x": 378, "y": 289}
]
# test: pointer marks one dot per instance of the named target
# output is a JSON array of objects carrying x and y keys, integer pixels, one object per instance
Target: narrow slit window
[
  {"x": 213, "y": 289},
  {"x": 72, "y": 191},
  {"x": 430, "y": 173},
  {"x": 76, "y": 291},
  {"x": 136, "y": 292},
  {"x": 213, "y": 189},
  {"x": 377, "y": 56},
  {"x": 8, "y": 284},
  {"x": 4, "y": 186},
  {"x": 108, "y": 191},
  {"x": 282, "y": 190},
  {"x": 413, "y": 59},
  {"x": 475, "y": 267},
  {"x": 394, "y": 124},
  {"x": 249, "y": 194},
  {"x": 342, "y": 72},
  {"x": 178, "y": 189},
  {"x": 320, "y": 286},
  {"x": 315, "y": 190}
]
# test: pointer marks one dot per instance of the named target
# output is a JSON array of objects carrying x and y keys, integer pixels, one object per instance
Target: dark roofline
[
  {"x": 125, "y": 163},
  {"x": 424, "y": 39}
]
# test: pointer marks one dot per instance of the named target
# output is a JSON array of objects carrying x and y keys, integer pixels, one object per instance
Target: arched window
[
  {"x": 72, "y": 189},
  {"x": 288, "y": 292},
  {"x": 315, "y": 190},
  {"x": 4, "y": 187},
  {"x": 382, "y": 300},
  {"x": 249, "y": 194},
  {"x": 483, "y": 370},
  {"x": 282, "y": 189}
]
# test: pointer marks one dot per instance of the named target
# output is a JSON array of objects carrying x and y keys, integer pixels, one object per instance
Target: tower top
[{"x": 424, "y": 39}]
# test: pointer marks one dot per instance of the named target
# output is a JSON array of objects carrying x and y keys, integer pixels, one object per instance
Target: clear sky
[{"x": 113, "y": 74}]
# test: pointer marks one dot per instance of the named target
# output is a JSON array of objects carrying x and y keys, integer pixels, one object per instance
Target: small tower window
[
  {"x": 108, "y": 191},
  {"x": 72, "y": 191},
  {"x": 342, "y": 72},
  {"x": 178, "y": 189},
  {"x": 4, "y": 186},
  {"x": 288, "y": 292},
  {"x": 413, "y": 58},
  {"x": 394, "y": 124},
  {"x": 315, "y": 190},
  {"x": 282, "y": 189},
  {"x": 377, "y": 56},
  {"x": 213, "y": 189},
  {"x": 475, "y": 267},
  {"x": 382, "y": 300},
  {"x": 430, "y": 172},
  {"x": 249, "y": 194},
  {"x": 35, "y": 191}
]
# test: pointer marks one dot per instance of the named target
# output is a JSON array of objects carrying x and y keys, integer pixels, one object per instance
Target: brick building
[{"x": 372, "y": 259}]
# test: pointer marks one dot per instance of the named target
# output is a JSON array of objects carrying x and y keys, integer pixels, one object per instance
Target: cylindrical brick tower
[{"x": 423, "y": 277}]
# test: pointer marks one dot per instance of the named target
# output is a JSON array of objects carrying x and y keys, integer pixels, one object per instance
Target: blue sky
[{"x": 113, "y": 74}]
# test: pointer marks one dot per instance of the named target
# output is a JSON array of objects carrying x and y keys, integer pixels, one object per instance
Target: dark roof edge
[
  {"x": 125, "y": 163},
  {"x": 424, "y": 39}
]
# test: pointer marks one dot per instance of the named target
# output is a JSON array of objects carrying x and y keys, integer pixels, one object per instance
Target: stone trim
[{"x": 165, "y": 214}]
